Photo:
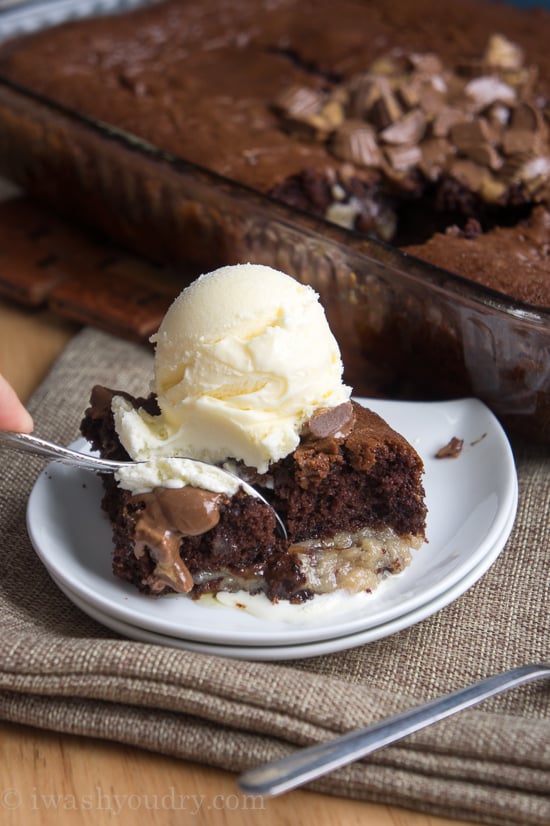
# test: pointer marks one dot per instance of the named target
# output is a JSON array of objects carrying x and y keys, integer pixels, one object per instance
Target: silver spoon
[
  {"x": 307, "y": 764},
  {"x": 26, "y": 443}
]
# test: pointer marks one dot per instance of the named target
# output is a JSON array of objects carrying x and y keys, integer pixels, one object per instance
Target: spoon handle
[
  {"x": 27, "y": 443},
  {"x": 309, "y": 763}
]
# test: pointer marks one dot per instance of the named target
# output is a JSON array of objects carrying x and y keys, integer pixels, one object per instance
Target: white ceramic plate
[
  {"x": 299, "y": 651},
  {"x": 471, "y": 501}
]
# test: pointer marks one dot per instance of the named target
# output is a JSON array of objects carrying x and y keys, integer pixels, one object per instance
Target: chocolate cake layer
[
  {"x": 351, "y": 498},
  {"x": 520, "y": 255}
]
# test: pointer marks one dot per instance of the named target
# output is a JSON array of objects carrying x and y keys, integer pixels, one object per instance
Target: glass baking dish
[{"x": 406, "y": 329}]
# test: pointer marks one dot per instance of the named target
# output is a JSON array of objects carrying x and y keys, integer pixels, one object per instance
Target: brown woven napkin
[{"x": 61, "y": 670}]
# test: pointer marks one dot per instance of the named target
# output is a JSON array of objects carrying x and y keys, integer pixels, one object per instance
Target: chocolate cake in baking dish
[{"x": 424, "y": 123}]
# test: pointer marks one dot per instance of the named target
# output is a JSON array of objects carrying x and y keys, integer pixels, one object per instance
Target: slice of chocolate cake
[{"x": 350, "y": 495}]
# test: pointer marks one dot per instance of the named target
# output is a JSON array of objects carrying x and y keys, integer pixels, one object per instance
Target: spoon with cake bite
[{"x": 27, "y": 443}]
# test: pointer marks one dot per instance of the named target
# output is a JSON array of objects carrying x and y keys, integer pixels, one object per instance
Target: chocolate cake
[
  {"x": 519, "y": 255},
  {"x": 405, "y": 120},
  {"x": 350, "y": 496}
]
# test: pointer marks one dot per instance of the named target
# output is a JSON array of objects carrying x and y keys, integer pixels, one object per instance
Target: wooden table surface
[{"x": 50, "y": 778}]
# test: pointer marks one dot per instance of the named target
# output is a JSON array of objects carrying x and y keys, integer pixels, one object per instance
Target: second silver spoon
[{"x": 306, "y": 764}]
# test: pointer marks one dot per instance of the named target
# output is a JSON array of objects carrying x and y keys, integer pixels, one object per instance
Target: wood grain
[
  {"x": 48, "y": 778},
  {"x": 30, "y": 341}
]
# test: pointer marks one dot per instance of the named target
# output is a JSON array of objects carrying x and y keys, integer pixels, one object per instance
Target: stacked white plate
[{"x": 471, "y": 499}]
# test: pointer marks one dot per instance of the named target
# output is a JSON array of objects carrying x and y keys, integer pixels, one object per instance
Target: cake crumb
[{"x": 451, "y": 450}]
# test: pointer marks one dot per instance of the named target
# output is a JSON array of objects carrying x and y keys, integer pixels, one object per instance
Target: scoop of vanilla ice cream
[{"x": 244, "y": 356}]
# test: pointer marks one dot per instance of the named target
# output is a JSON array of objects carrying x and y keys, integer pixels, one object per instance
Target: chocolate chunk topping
[
  {"x": 331, "y": 422},
  {"x": 355, "y": 141},
  {"x": 100, "y": 402},
  {"x": 408, "y": 129},
  {"x": 394, "y": 116}
]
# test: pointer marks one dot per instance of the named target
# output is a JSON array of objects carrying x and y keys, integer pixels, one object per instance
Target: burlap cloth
[{"x": 60, "y": 670}]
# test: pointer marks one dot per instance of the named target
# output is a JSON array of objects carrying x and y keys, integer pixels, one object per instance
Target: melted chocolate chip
[
  {"x": 167, "y": 515},
  {"x": 330, "y": 422}
]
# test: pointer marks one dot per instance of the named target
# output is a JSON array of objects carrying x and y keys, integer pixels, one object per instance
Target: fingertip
[
  {"x": 27, "y": 422},
  {"x": 13, "y": 414}
]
